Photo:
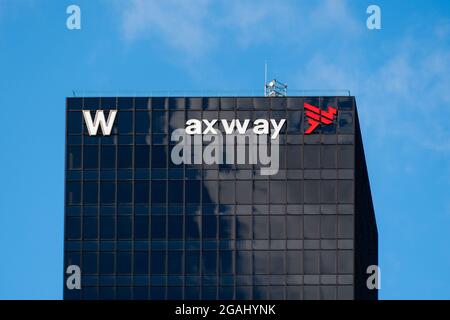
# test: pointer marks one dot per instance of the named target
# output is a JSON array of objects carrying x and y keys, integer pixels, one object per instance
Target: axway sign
[
  {"x": 242, "y": 142},
  {"x": 313, "y": 114}
]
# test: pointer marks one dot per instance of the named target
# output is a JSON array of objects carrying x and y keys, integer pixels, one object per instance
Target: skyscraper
[{"x": 149, "y": 216}]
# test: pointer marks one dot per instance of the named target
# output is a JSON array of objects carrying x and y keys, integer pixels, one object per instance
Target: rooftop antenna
[
  {"x": 273, "y": 88},
  {"x": 265, "y": 78}
]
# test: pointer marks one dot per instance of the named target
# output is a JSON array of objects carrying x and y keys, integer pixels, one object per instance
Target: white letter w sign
[{"x": 99, "y": 119}]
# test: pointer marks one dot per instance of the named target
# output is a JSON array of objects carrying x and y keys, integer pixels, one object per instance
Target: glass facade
[{"x": 141, "y": 227}]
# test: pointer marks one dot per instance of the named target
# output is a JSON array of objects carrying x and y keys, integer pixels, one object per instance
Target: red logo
[{"x": 316, "y": 116}]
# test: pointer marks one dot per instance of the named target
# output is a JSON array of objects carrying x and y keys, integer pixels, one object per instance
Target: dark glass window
[
  {"x": 175, "y": 191},
  {"x": 142, "y": 122},
  {"x": 158, "y": 262},
  {"x": 73, "y": 228},
  {"x": 226, "y": 262},
  {"x": 142, "y": 103},
  {"x": 294, "y": 263},
  {"x": 192, "y": 263},
  {"x": 90, "y": 227},
  {"x": 209, "y": 227},
  {"x": 329, "y": 157},
  {"x": 175, "y": 259},
  {"x": 107, "y": 228},
  {"x": 345, "y": 191},
  {"x": 311, "y": 157},
  {"x": 260, "y": 192},
  {"x": 282, "y": 159},
  {"x": 192, "y": 191},
  {"x": 159, "y": 191},
  {"x": 90, "y": 192},
  {"x": 176, "y": 119},
  {"x": 107, "y": 192},
  {"x": 123, "y": 262},
  {"x": 74, "y": 103},
  {"x": 158, "y": 227},
  {"x": 157, "y": 293},
  {"x": 328, "y": 226},
  {"x": 261, "y": 262},
  {"x": 243, "y": 192},
  {"x": 328, "y": 191},
  {"x": 311, "y": 292},
  {"x": 260, "y": 227},
  {"x": 328, "y": 292},
  {"x": 175, "y": 225},
  {"x": 312, "y": 226},
  {"x": 243, "y": 292},
  {"x": 345, "y": 261},
  {"x": 294, "y": 121},
  {"x": 141, "y": 225},
  {"x": 345, "y": 122},
  {"x": 311, "y": 261},
  {"x": 107, "y": 262},
  {"x": 243, "y": 262},
  {"x": 345, "y": 226},
  {"x": 124, "y": 227},
  {"x": 90, "y": 157},
  {"x": 141, "y": 262},
  {"x": 244, "y": 227},
  {"x": 209, "y": 259},
  {"x": 277, "y": 227},
  {"x": 125, "y": 122},
  {"x": 312, "y": 191},
  {"x": 226, "y": 192},
  {"x": 192, "y": 227},
  {"x": 159, "y": 103},
  {"x": 142, "y": 157},
  {"x": 294, "y": 191},
  {"x": 141, "y": 191},
  {"x": 159, "y": 157},
  {"x": 73, "y": 192},
  {"x": 108, "y": 157},
  {"x": 89, "y": 263},
  {"x": 277, "y": 191},
  {"x": 124, "y": 191},
  {"x": 294, "y": 227},
  {"x": 73, "y": 157},
  {"x": 125, "y": 156},
  {"x": 328, "y": 262},
  {"x": 346, "y": 158},
  {"x": 159, "y": 122},
  {"x": 74, "y": 122},
  {"x": 294, "y": 157},
  {"x": 108, "y": 103},
  {"x": 226, "y": 227},
  {"x": 277, "y": 262},
  {"x": 91, "y": 103},
  {"x": 210, "y": 192},
  {"x": 346, "y": 103}
]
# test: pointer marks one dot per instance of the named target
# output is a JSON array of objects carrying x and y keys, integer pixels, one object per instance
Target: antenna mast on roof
[
  {"x": 265, "y": 78},
  {"x": 274, "y": 88}
]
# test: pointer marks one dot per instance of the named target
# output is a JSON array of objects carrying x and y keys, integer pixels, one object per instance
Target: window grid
[{"x": 236, "y": 285}]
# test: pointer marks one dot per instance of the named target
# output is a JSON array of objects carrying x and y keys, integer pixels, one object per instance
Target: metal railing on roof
[{"x": 205, "y": 93}]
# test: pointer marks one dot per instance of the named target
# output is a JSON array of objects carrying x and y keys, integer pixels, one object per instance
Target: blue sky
[{"x": 400, "y": 76}]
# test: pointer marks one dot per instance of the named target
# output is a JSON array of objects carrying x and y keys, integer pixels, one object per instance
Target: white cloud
[
  {"x": 182, "y": 24},
  {"x": 257, "y": 21},
  {"x": 334, "y": 15},
  {"x": 194, "y": 27}
]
